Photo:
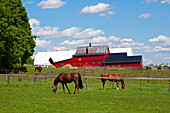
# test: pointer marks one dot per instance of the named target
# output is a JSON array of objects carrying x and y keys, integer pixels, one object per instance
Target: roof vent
[{"x": 89, "y": 44}]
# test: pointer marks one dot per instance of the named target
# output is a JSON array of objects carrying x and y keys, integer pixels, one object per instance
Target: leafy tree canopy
[{"x": 16, "y": 42}]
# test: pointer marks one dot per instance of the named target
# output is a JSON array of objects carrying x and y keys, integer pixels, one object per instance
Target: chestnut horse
[
  {"x": 39, "y": 68},
  {"x": 115, "y": 80},
  {"x": 65, "y": 78}
]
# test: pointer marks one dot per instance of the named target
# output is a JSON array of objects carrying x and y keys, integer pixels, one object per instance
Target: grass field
[{"x": 23, "y": 97}]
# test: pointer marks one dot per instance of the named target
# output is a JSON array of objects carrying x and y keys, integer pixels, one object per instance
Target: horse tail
[{"x": 80, "y": 83}]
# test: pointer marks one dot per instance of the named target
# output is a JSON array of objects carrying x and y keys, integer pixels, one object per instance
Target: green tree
[
  {"x": 16, "y": 41},
  {"x": 151, "y": 65},
  {"x": 30, "y": 61}
]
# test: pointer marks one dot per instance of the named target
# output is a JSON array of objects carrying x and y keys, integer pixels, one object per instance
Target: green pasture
[{"x": 23, "y": 97}]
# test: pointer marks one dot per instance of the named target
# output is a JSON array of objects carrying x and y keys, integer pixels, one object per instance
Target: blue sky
[{"x": 143, "y": 25}]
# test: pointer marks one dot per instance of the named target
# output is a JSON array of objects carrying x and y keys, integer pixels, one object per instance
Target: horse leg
[
  {"x": 67, "y": 88},
  {"x": 117, "y": 85},
  {"x": 63, "y": 88},
  {"x": 78, "y": 89},
  {"x": 103, "y": 85},
  {"x": 75, "y": 87}
]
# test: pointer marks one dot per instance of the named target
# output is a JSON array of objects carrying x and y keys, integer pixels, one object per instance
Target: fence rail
[{"x": 87, "y": 77}]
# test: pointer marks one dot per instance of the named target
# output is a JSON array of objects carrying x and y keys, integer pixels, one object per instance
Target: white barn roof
[
  {"x": 122, "y": 50},
  {"x": 42, "y": 58}
]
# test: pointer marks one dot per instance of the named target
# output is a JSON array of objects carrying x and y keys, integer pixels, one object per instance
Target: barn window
[
  {"x": 74, "y": 63},
  {"x": 79, "y": 59},
  {"x": 98, "y": 62},
  {"x": 61, "y": 64},
  {"x": 80, "y": 63},
  {"x": 93, "y": 62},
  {"x": 86, "y": 62}
]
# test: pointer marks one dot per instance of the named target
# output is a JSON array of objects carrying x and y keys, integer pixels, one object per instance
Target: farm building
[
  {"x": 90, "y": 56},
  {"x": 42, "y": 58}
]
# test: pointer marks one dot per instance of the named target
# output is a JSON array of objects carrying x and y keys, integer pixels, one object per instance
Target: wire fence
[{"x": 9, "y": 76}]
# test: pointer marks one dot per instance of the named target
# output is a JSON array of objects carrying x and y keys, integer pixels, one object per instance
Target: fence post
[
  {"x": 141, "y": 84},
  {"x": 113, "y": 85},
  {"x": 8, "y": 79},
  {"x": 86, "y": 82},
  {"x": 45, "y": 79},
  {"x": 148, "y": 76},
  {"x": 169, "y": 85},
  {"x": 1, "y": 78},
  {"x": 34, "y": 81}
]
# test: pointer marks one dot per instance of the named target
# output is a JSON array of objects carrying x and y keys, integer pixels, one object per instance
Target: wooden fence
[{"x": 86, "y": 77}]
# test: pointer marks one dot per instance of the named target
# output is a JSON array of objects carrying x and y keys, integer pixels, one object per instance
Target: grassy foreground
[{"x": 23, "y": 97}]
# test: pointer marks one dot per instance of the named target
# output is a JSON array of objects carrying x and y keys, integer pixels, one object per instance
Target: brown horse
[
  {"x": 39, "y": 68},
  {"x": 115, "y": 80},
  {"x": 65, "y": 78}
]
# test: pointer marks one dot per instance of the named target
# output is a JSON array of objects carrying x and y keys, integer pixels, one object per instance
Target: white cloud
[
  {"x": 143, "y": 47},
  {"x": 109, "y": 13},
  {"x": 46, "y": 31},
  {"x": 59, "y": 48},
  {"x": 74, "y": 32},
  {"x": 103, "y": 14},
  {"x": 167, "y": 58},
  {"x": 163, "y": 40},
  {"x": 99, "y": 39},
  {"x": 114, "y": 38},
  {"x": 70, "y": 31},
  {"x": 42, "y": 43},
  {"x": 101, "y": 7},
  {"x": 51, "y": 4},
  {"x": 126, "y": 40},
  {"x": 29, "y": 2},
  {"x": 156, "y": 49},
  {"x": 89, "y": 32},
  {"x": 148, "y": 61},
  {"x": 150, "y": 1},
  {"x": 145, "y": 15},
  {"x": 165, "y": 2},
  {"x": 74, "y": 42},
  {"x": 34, "y": 22}
]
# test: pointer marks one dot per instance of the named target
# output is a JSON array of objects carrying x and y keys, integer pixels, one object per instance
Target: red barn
[{"x": 92, "y": 56}]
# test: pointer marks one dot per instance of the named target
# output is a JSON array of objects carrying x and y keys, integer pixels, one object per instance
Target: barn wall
[
  {"x": 126, "y": 64},
  {"x": 82, "y": 61}
]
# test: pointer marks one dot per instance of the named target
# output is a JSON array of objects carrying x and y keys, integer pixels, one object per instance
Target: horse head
[
  {"x": 123, "y": 84},
  {"x": 54, "y": 88}
]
